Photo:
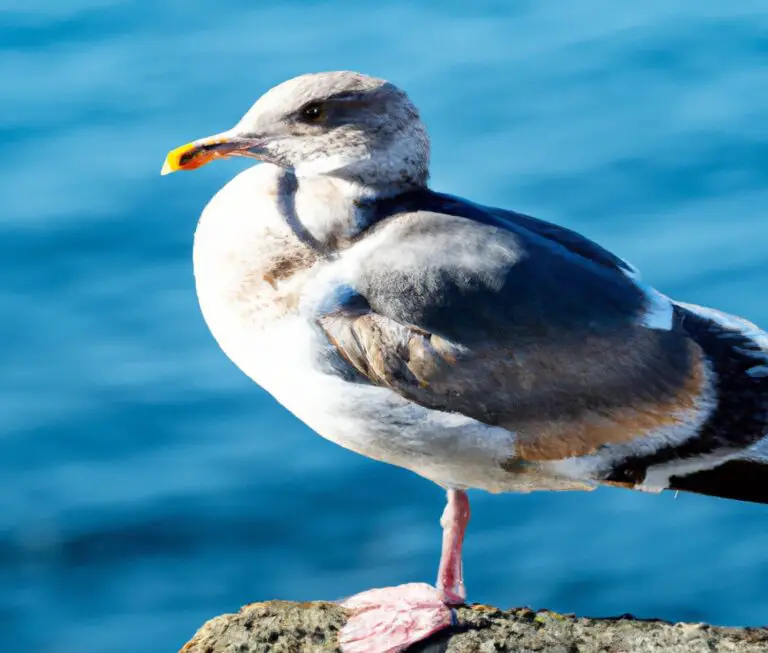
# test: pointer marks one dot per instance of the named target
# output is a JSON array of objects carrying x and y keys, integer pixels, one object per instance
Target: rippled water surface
[{"x": 146, "y": 485}]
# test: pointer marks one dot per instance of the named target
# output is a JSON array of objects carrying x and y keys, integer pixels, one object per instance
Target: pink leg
[
  {"x": 450, "y": 576},
  {"x": 390, "y": 619}
]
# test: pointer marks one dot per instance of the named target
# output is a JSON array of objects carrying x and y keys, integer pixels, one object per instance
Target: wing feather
[{"x": 467, "y": 317}]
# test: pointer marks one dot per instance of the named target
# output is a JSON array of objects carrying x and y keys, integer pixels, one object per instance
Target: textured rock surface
[{"x": 286, "y": 627}]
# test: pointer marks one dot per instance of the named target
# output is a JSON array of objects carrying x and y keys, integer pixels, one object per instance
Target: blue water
[{"x": 146, "y": 485}]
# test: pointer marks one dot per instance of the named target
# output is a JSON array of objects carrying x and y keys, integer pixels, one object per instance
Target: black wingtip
[{"x": 741, "y": 480}]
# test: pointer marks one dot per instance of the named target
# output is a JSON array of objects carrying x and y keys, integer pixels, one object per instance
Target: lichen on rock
[{"x": 288, "y": 627}]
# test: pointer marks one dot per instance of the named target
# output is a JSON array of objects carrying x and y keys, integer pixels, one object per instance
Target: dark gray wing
[
  {"x": 512, "y": 329},
  {"x": 428, "y": 200}
]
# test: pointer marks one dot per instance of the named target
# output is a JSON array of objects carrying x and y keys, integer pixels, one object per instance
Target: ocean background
[{"x": 146, "y": 485}]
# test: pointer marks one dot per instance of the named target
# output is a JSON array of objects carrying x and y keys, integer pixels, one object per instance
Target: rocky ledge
[{"x": 288, "y": 627}]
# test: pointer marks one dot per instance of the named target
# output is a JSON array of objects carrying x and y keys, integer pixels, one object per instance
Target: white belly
[{"x": 450, "y": 449}]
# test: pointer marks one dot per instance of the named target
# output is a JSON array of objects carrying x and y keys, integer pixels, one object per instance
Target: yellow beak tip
[
  {"x": 193, "y": 155},
  {"x": 173, "y": 159},
  {"x": 166, "y": 169}
]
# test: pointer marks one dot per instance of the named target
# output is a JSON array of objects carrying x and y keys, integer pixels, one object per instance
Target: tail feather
[{"x": 740, "y": 479}]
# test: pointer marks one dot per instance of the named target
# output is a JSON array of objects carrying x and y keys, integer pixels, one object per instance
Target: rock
[{"x": 287, "y": 627}]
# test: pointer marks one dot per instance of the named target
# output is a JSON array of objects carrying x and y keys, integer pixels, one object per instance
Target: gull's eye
[{"x": 313, "y": 112}]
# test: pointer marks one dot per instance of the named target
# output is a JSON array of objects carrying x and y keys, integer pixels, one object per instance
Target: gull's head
[{"x": 341, "y": 124}]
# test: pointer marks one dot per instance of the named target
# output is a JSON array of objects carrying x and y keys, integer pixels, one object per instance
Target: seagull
[{"x": 478, "y": 347}]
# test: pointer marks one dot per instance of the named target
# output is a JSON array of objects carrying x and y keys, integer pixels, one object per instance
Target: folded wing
[{"x": 545, "y": 336}]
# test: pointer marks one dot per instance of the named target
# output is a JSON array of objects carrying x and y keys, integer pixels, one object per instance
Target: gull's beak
[{"x": 196, "y": 154}]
